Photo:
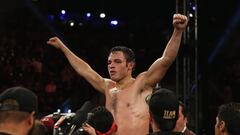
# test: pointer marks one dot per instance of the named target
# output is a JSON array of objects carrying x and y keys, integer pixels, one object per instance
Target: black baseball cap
[
  {"x": 24, "y": 100},
  {"x": 164, "y": 106}
]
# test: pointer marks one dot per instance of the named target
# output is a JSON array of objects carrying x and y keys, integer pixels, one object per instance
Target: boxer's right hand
[{"x": 56, "y": 42}]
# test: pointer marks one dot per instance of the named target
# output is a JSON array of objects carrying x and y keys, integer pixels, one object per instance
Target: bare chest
[
  {"x": 121, "y": 98},
  {"x": 130, "y": 111}
]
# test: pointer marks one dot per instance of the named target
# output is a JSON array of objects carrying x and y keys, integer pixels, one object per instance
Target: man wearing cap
[
  {"x": 18, "y": 107},
  {"x": 164, "y": 109}
]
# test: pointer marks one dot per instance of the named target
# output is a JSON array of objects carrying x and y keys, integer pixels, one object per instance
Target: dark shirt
[
  {"x": 166, "y": 133},
  {"x": 188, "y": 132}
]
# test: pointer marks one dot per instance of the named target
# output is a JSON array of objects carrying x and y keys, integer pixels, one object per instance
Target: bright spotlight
[
  {"x": 88, "y": 15},
  {"x": 194, "y": 8},
  {"x": 102, "y": 15},
  {"x": 114, "y": 22},
  {"x": 190, "y": 15},
  {"x": 71, "y": 23},
  {"x": 58, "y": 110},
  {"x": 63, "y": 12}
]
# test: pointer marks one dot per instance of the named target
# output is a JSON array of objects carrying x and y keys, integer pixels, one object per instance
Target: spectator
[
  {"x": 228, "y": 119},
  {"x": 163, "y": 108},
  {"x": 100, "y": 121},
  {"x": 181, "y": 125},
  {"x": 18, "y": 107}
]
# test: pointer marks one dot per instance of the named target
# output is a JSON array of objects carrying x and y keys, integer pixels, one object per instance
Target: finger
[
  {"x": 89, "y": 126},
  {"x": 85, "y": 128},
  {"x": 176, "y": 16},
  {"x": 49, "y": 42},
  {"x": 52, "y": 39},
  {"x": 181, "y": 17},
  {"x": 177, "y": 21}
]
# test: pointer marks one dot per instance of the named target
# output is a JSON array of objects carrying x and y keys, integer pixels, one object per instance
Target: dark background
[{"x": 145, "y": 26}]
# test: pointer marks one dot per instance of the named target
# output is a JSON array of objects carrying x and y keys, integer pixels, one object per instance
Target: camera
[{"x": 80, "y": 131}]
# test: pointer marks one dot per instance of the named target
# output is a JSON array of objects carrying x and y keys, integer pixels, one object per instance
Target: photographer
[
  {"x": 89, "y": 129},
  {"x": 99, "y": 122}
]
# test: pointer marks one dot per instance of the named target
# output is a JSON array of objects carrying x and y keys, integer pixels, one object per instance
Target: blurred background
[{"x": 205, "y": 74}]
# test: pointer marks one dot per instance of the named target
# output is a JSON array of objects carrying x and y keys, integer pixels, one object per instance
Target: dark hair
[
  {"x": 13, "y": 116},
  {"x": 128, "y": 53},
  {"x": 184, "y": 110},
  {"x": 101, "y": 119},
  {"x": 230, "y": 114}
]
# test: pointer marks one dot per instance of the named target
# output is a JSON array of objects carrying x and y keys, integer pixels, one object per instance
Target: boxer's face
[{"x": 118, "y": 67}]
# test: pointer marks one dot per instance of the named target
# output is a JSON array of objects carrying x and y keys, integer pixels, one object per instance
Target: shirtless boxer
[{"x": 125, "y": 95}]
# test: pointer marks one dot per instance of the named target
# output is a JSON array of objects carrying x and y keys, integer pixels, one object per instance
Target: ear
[
  {"x": 185, "y": 119},
  {"x": 222, "y": 126},
  {"x": 31, "y": 119},
  {"x": 131, "y": 65}
]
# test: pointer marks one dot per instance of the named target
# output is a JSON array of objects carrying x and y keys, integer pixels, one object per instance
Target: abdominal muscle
[
  {"x": 130, "y": 112},
  {"x": 131, "y": 124}
]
